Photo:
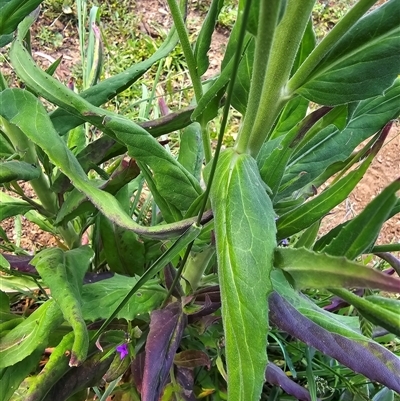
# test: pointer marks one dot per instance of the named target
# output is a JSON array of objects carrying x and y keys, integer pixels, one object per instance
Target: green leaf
[
  {"x": 123, "y": 251},
  {"x": 359, "y": 235},
  {"x": 204, "y": 39},
  {"x": 208, "y": 105},
  {"x": 21, "y": 107},
  {"x": 306, "y": 46},
  {"x": 308, "y": 213},
  {"x": 12, "y": 376},
  {"x": 375, "y": 313},
  {"x": 275, "y": 154},
  {"x": 18, "y": 170},
  {"x": 30, "y": 335},
  {"x": 10, "y": 206},
  {"x": 245, "y": 239},
  {"x": 334, "y": 335},
  {"x": 293, "y": 112},
  {"x": 332, "y": 145},
  {"x": 12, "y": 12},
  {"x": 308, "y": 236},
  {"x": 167, "y": 172},
  {"x": 55, "y": 368},
  {"x": 63, "y": 273},
  {"x": 191, "y": 150},
  {"x": 363, "y": 63},
  {"x": 4, "y": 300},
  {"x": 243, "y": 78},
  {"x": 309, "y": 269},
  {"x": 109, "y": 88}
]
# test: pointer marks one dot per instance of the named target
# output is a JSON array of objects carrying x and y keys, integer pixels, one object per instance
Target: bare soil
[{"x": 384, "y": 169}]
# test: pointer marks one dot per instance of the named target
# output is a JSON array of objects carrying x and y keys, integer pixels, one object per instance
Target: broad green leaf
[
  {"x": 30, "y": 335},
  {"x": 384, "y": 395},
  {"x": 16, "y": 105},
  {"x": 362, "y": 64},
  {"x": 105, "y": 148},
  {"x": 63, "y": 273},
  {"x": 18, "y": 170},
  {"x": 12, "y": 376},
  {"x": 167, "y": 172},
  {"x": 10, "y": 206},
  {"x": 334, "y": 145},
  {"x": 204, "y": 39},
  {"x": 309, "y": 269},
  {"x": 359, "y": 235},
  {"x": 100, "y": 299},
  {"x": 191, "y": 149},
  {"x": 332, "y": 334},
  {"x": 245, "y": 239}
]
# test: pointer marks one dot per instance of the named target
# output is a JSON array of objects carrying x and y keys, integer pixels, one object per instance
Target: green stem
[
  {"x": 287, "y": 39},
  {"x": 269, "y": 11},
  {"x": 329, "y": 41},
  {"x": 386, "y": 248},
  {"x": 229, "y": 94},
  {"x": 205, "y": 137},
  {"x": 187, "y": 49}
]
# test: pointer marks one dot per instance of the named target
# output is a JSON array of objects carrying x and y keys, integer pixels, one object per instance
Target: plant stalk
[
  {"x": 187, "y": 49},
  {"x": 287, "y": 39},
  {"x": 268, "y": 18},
  {"x": 328, "y": 42}
]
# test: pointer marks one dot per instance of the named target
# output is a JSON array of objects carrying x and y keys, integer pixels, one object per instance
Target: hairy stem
[
  {"x": 274, "y": 96},
  {"x": 269, "y": 11}
]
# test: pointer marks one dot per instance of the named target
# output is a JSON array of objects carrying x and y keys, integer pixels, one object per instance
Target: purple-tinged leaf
[
  {"x": 21, "y": 263},
  {"x": 89, "y": 374},
  {"x": 137, "y": 369},
  {"x": 338, "y": 303},
  {"x": 359, "y": 353},
  {"x": 185, "y": 378},
  {"x": 309, "y": 269},
  {"x": 166, "y": 328},
  {"x": 192, "y": 358},
  {"x": 277, "y": 377},
  {"x": 391, "y": 259}
]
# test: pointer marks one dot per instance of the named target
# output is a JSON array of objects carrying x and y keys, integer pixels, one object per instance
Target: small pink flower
[{"x": 123, "y": 350}]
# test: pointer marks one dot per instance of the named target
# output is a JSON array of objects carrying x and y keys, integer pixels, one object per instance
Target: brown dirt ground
[{"x": 385, "y": 168}]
